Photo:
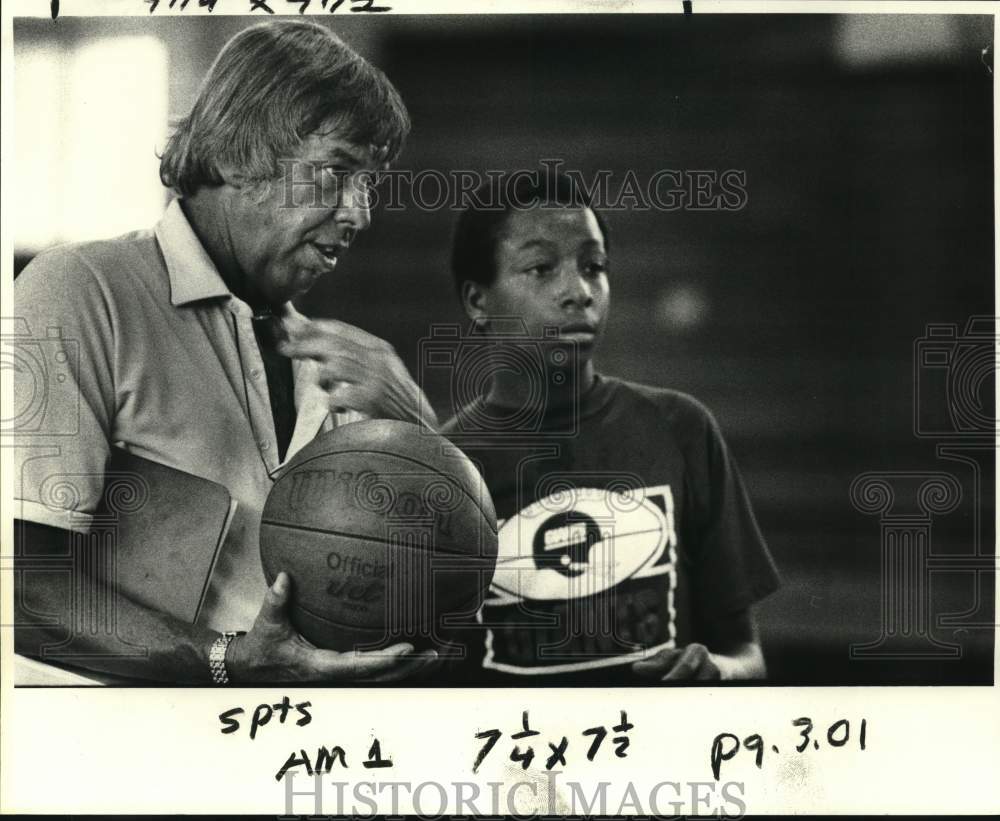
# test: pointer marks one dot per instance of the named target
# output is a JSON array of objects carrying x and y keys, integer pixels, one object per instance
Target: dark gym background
[{"x": 867, "y": 145}]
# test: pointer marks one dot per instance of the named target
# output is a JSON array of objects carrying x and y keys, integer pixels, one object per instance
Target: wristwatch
[{"x": 217, "y": 656}]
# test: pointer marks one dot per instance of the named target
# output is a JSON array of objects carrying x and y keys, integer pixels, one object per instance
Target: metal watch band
[{"x": 217, "y": 657}]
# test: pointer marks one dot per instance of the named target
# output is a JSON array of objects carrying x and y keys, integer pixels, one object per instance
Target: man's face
[
  {"x": 552, "y": 271},
  {"x": 285, "y": 240}
]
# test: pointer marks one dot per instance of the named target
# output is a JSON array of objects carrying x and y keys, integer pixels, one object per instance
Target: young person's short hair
[
  {"x": 270, "y": 87},
  {"x": 473, "y": 256}
]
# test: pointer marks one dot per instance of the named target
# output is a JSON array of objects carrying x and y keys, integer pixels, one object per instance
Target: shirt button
[
  {"x": 264, "y": 445},
  {"x": 255, "y": 373}
]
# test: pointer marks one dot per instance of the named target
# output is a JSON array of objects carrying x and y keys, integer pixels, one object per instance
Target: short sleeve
[
  {"x": 59, "y": 346},
  {"x": 733, "y": 567}
]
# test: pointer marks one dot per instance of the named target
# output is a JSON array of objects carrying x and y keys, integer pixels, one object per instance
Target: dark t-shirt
[{"x": 623, "y": 524}]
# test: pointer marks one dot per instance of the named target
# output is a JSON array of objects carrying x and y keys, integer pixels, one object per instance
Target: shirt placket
[{"x": 255, "y": 384}]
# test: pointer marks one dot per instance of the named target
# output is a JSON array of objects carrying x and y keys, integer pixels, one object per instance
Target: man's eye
[
  {"x": 339, "y": 181},
  {"x": 596, "y": 267},
  {"x": 335, "y": 177}
]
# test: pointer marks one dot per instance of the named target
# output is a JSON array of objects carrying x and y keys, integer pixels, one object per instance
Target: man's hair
[
  {"x": 473, "y": 249},
  {"x": 271, "y": 86}
]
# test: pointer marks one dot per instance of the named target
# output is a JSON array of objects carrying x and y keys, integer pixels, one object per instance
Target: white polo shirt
[{"x": 169, "y": 369}]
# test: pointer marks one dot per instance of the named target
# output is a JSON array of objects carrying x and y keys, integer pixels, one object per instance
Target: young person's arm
[{"x": 732, "y": 567}]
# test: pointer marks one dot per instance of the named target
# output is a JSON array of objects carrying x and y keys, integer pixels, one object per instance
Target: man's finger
[
  {"x": 410, "y": 666},
  {"x": 321, "y": 349},
  {"x": 344, "y": 395},
  {"x": 291, "y": 327},
  {"x": 428, "y": 418},
  {"x": 396, "y": 396},
  {"x": 319, "y": 338},
  {"x": 426, "y": 412},
  {"x": 355, "y": 665},
  {"x": 351, "y": 357},
  {"x": 408, "y": 402},
  {"x": 342, "y": 331},
  {"x": 312, "y": 337},
  {"x": 374, "y": 396},
  {"x": 336, "y": 331},
  {"x": 380, "y": 403}
]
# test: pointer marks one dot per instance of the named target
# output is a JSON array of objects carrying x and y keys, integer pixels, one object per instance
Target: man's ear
[
  {"x": 233, "y": 177},
  {"x": 242, "y": 188},
  {"x": 230, "y": 176},
  {"x": 474, "y": 300}
]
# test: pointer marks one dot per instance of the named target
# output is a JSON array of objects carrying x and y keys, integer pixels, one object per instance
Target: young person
[{"x": 628, "y": 548}]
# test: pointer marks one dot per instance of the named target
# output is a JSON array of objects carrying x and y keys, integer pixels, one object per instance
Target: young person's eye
[
  {"x": 596, "y": 267},
  {"x": 539, "y": 269}
]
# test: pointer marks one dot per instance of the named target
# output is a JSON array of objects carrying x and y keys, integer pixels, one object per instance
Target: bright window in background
[
  {"x": 88, "y": 121},
  {"x": 866, "y": 41}
]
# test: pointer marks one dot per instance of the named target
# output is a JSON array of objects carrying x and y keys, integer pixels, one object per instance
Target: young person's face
[
  {"x": 285, "y": 241},
  {"x": 551, "y": 272}
]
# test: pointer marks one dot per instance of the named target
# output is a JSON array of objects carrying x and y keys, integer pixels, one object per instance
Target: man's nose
[{"x": 355, "y": 207}]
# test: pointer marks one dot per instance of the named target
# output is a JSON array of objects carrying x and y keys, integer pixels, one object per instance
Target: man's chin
[{"x": 306, "y": 280}]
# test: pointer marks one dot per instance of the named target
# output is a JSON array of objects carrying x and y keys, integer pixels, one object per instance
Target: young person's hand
[
  {"x": 691, "y": 663},
  {"x": 273, "y": 651},
  {"x": 357, "y": 370}
]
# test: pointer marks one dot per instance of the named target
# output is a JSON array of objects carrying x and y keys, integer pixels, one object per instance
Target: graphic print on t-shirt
[{"x": 585, "y": 578}]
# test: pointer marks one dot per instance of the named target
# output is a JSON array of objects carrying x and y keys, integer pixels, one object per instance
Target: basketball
[{"x": 387, "y": 532}]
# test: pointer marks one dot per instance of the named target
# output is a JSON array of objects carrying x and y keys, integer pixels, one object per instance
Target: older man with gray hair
[{"x": 192, "y": 355}]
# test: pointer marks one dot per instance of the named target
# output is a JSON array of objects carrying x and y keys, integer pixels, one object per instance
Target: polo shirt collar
[{"x": 193, "y": 275}]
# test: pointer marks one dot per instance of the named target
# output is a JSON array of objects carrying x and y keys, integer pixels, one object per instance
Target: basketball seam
[
  {"x": 395, "y": 456},
  {"x": 393, "y": 545}
]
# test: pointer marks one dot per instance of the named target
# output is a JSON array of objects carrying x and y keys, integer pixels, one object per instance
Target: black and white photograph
[{"x": 606, "y": 356}]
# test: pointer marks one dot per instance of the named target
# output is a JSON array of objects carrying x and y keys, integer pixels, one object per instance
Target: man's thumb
[{"x": 276, "y": 599}]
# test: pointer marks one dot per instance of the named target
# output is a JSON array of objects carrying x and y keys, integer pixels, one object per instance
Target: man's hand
[
  {"x": 273, "y": 651},
  {"x": 357, "y": 370},
  {"x": 691, "y": 663}
]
